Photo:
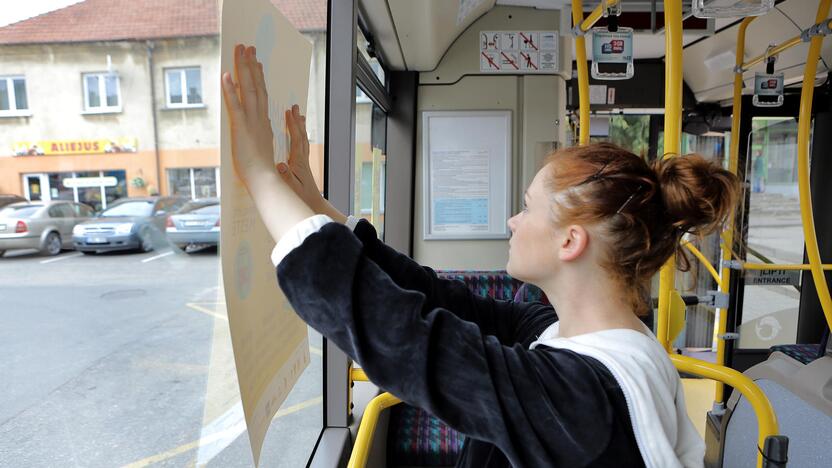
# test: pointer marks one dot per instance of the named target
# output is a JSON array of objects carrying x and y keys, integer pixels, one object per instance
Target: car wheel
[
  {"x": 52, "y": 245},
  {"x": 145, "y": 240}
]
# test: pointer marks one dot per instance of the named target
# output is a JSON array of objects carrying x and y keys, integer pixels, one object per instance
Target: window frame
[
  {"x": 102, "y": 92},
  {"x": 13, "y": 111},
  {"x": 183, "y": 76}
]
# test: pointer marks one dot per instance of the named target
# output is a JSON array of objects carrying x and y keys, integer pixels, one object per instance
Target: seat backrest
[
  {"x": 806, "y": 426},
  {"x": 495, "y": 284}
]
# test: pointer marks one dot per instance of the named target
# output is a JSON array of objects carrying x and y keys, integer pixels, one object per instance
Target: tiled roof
[
  {"x": 305, "y": 15},
  {"x": 118, "y": 20}
]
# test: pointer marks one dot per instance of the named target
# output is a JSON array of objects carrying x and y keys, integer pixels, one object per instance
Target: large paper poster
[{"x": 269, "y": 340}]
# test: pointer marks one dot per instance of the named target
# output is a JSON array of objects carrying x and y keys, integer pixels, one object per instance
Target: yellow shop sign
[{"x": 50, "y": 147}]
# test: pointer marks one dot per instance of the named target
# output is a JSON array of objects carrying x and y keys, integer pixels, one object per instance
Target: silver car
[
  {"x": 43, "y": 225},
  {"x": 196, "y": 225}
]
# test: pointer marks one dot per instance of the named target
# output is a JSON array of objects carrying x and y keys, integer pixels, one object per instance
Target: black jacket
[{"x": 463, "y": 358}]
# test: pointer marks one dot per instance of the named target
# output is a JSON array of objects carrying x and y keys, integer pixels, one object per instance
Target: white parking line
[
  {"x": 169, "y": 252},
  {"x": 57, "y": 259}
]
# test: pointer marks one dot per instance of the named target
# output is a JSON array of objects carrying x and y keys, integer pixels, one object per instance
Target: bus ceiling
[{"x": 415, "y": 36}]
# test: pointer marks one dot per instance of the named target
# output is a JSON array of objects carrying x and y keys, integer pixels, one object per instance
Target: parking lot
[{"x": 124, "y": 359}]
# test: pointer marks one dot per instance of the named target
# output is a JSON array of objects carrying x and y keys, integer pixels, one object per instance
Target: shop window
[
  {"x": 184, "y": 87},
  {"x": 101, "y": 92},
  {"x": 119, "y": 190},
  {"x": 13, "y": 100},
  {"x": 194, "y": 183}
]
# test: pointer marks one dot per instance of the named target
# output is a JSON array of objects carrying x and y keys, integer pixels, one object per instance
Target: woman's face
[{"x": 532, "y": 255}]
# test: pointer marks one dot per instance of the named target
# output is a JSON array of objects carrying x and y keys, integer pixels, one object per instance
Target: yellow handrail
[
  {"x": 583, "y": 75},
  {"x": 766, "y": 418},
  {"x": 358, "y": 375},
  {"x": 778, "y": 49},
  {"x": 772, "y": 52},
  {"x": 698, "y": 254},
  {"x": 728, "y": 235},
  {"x": 780, "y": 266},
  {"x": 367, "y": 428},
  {"x": 584, "y": 25},
  {"x": 596, "y": 15},
  {"x": 672, "y": 133},
  {"x": 804, "y": 123}
]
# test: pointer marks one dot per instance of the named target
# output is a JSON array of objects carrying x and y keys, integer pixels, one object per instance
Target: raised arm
[
  {"x": 286, "y": 195},
  {"x": 541, "y": 407}
]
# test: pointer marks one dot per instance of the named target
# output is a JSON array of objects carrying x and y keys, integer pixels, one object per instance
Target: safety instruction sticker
[{"x": 518, "y": 52}]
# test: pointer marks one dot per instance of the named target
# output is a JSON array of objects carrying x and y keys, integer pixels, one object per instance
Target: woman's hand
[
  {"x": 252, "y": 141},
  {"x": 252, "y": 145},
  {"x": 296, "y": 172}
]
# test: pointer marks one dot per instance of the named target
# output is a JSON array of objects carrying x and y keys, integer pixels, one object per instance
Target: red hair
[{"x": 642, "y": 210}]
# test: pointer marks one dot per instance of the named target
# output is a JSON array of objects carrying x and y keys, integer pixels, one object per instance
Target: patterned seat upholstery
[
  {"x": 803, "y": 353},
  {"x": 415, "y": 437}
]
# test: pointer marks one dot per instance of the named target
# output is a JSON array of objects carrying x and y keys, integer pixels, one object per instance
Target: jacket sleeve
[
  {"x": 538, "y": 406},
  {"x": 507, "y": 320}
]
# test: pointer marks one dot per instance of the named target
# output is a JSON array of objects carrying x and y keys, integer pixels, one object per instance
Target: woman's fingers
[
  {"x": 262, "y": 93},
  {"x": 305, "y": 136},
  {"x": 248, "y": 93},
  {"x": 289, "y": 177},
  {"x": 232, "y": 101}
]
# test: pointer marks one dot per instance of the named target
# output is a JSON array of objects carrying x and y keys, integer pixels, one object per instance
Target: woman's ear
[{"x": 574, "y": 243}]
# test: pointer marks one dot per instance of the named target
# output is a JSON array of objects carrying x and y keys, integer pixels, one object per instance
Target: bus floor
[{"x": 699, "y": 399}]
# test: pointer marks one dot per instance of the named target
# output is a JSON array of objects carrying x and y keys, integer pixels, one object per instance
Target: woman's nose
[{"x": 511, "y": 222}]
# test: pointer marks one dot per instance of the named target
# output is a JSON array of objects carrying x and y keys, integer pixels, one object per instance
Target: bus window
[
  {"x": 775, "y": 233},
  {"x": 370, "y": 161},
  {"x": 132, "y": 335}
]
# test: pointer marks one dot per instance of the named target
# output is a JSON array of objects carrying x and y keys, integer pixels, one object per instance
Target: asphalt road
[{"x": 125, "y": 360}]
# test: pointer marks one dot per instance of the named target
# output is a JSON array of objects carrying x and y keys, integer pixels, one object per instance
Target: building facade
[{"x": 109, "y": 109}]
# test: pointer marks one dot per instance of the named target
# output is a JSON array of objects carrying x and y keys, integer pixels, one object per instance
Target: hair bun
[{"x": 698, "y": 194}]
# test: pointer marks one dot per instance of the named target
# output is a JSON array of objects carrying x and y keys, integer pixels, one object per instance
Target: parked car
[
  {"x": 44, "y": 225},
  {"x": 195, "y": 225},
  {"x": 6, "y": 199},
  {"x": 136, "y": 223}
]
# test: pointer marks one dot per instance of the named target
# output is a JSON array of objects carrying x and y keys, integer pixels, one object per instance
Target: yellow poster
[{"x": 269, "y": 341}]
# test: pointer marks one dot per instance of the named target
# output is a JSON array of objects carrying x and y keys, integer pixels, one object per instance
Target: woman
[{"x": 589, "y": 386}]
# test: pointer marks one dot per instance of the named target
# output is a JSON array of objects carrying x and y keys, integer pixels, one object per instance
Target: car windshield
[
  {"x": 135, "y": 208},
  {"x": 204, "y": 209},
  {"x": 20, "y": 211}
]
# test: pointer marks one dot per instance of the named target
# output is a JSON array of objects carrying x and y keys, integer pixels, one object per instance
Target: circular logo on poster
[
  {"x": 242, "y": 270},
  {"x": 767, "y": 328}
]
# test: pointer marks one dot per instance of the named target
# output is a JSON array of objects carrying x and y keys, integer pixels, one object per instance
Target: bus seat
[
  {"x": 804, "y": 353},
  {"x": 806, "y": 426},
  {"x": 417, "y": 438},
  {"x": 530, "y": 293}
]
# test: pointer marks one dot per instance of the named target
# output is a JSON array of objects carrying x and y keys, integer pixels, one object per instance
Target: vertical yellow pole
[
  {"x": 803, "y": 126},
  {"x": 583, "y": 74},
  {"x": 728, "y": 238},
  {"x": 672, "y": 134}
]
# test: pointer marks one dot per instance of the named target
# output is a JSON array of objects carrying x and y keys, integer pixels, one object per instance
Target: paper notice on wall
[
  {"x": 597, "y": 94},
  {"x": 460, "y": 185},
  {"x": 269, "y": 340}
]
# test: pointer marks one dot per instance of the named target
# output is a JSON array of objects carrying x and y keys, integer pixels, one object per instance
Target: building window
[
  {"x": 195, "y": 182},
  {"x": 184, "y": 87},
  {"x": 97, "y": 189},
  {"x": 101, "y": 92},
  {"x": 13, "y": 99}
]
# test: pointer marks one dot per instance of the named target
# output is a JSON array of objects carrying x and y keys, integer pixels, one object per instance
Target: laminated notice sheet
[{"x": 269, "y": 341}]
